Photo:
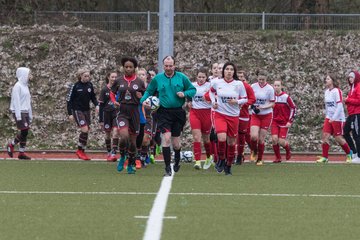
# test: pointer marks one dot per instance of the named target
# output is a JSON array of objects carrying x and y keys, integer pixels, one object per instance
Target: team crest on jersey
[
  {"x": 89, "y": 89},
  {"x": 82, "y": 122},
  {"x": 136, "y": 87},
  {"x": 26, "y": 124},
  {"x": 122, "y": 123},
  {"x": 107, "y": 126}
]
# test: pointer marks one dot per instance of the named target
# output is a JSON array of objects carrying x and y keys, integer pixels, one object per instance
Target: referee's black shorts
[{"x": 171, "y": 120}]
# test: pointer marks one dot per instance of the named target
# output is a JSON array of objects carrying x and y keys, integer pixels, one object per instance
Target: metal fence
[{"x": 146, "y": 21}]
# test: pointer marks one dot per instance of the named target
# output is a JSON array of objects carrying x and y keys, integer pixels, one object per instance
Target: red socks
[
  {"x": 277, "y": 151},
  {"x": 197, "y": 150},
  {"x": 325, "y": 150}
]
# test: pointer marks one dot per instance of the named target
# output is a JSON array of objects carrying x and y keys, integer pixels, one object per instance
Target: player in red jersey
[
  {"x": 262, "y": 115},
  {"x": 200, "y": 119},
  {"x": 244, "y": 118},
  {"x": 283, "y": 117},
  {"x": 227, "y": 96}
]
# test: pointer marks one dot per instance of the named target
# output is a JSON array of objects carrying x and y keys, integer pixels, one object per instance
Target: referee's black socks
[
  {"x": 177, "y": 156},
  {"x": 167, "y": 155}
]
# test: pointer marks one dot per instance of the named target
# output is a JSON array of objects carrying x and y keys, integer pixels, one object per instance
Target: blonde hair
[
  {"x": 142, "y": 69},
  {"x": 81, "y": 71}
]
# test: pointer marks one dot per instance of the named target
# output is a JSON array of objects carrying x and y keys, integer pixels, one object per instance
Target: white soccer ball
[
  {"x": 154, "y": 102},
  {"x": 188, "y": 156}
]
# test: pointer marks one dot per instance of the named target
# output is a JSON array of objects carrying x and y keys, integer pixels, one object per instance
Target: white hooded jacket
[{"x": 20, "y": 95}]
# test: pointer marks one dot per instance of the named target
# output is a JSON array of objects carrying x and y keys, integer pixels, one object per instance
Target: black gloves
[{"x": 255, "y": 109}]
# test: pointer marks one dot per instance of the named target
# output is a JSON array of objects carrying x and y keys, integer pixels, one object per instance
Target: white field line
[
  {"x": 186, "y": 194},
  {"x": 76, "y": 193},
  {"x": 146, "y": 217},
  {"x": 154, "y": 223}
]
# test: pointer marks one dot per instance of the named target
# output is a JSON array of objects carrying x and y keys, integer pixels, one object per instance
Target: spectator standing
[
  {"x": 352, "y": 123},
  {"x": 20, "y": 106}
]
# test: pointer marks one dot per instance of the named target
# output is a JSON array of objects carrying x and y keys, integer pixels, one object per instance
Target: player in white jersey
[
  {"x": 262, "y": 115},
  {"x": 215, "y": 73},
  {"x": 216, "y": 70},
  {"x": 334, "y": 119},
  {"x": 230, "y": 95},
  {"x": 200, "y": 119}
]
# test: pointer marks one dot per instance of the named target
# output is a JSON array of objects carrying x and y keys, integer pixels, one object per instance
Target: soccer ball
[
  {"x": 188, "y": 156},
  {"x": 154, "y": 102}
]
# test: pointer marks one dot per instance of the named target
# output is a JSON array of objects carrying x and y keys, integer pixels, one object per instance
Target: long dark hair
[
  {"x": 108, "y": 75},
  {"x": 335, "y": 80},
  {"x": 235, "y": 70}
]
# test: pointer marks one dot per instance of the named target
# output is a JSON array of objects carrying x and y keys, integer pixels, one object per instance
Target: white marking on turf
[
  {"x": 187, "y": 194},
  {"x": 154, "y": 223},
  {"x": 165, "y": 217},
  {"x": 77, "y": 193},
  {"x": 270, "y": 195}
]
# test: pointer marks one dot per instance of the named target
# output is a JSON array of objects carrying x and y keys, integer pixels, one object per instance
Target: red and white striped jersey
[
  {"x": 224, "y": 92},
  {"x": 334, "y": 108},
  {"x": 198, "y": 101},
  {"x": 284, "y": 109},
  {"x": 264, "y": 95}
]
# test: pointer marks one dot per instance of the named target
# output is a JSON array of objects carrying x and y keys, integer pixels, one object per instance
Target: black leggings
[
  {"x": 352, "y": 125},
  {"x": 139, "y": 138}
]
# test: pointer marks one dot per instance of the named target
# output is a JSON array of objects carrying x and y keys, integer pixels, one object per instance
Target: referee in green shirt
[{"x": 173, "y": 88}]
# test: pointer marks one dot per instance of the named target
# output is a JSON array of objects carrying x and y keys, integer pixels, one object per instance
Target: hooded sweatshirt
[
  {"x": 20, "y": 95},
  {"x": 353, "y": 99}
]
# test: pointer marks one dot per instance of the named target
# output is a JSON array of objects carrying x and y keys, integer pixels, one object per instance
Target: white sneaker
[{"x": 356, "y": 160}]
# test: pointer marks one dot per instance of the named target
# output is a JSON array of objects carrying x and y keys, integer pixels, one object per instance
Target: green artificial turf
[{"x": 91, "y": 200}]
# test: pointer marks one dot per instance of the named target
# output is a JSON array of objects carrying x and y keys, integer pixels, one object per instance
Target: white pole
[
  {"x": 148, "y": 21},
  {"x": 166, "y": 30},
  {"x": 263, "y": 21}
]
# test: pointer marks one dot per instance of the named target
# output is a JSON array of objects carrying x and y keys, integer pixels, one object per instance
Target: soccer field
[{"x": 90, "y": 200}]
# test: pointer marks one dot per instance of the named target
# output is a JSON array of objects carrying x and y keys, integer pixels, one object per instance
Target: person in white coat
[{"x": 20, "y": 106}]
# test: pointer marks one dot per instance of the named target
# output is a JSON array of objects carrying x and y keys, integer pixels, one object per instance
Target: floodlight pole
[{"x": 166, "y": 31}]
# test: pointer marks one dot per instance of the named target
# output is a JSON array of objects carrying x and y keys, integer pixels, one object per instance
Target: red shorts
[
  {"x": 262, "y": 121},
  {"x": 226, "y": 124},
  {"x": 335, "y": 128},
  {"x": 201, "y": 119},
  {"x": 279, "y": 130},
  {"x": 243, "y": 126}
]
